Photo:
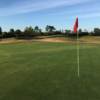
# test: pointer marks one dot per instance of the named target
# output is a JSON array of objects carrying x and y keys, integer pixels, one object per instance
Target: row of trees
[{"x": 30, "y": 32}]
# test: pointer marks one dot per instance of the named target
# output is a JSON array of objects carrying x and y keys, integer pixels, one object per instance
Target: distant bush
[{"x": 96, "y": 32}]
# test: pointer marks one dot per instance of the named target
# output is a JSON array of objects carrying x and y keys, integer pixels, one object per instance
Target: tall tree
[
  {"x": 1, "y": 36},
  {"x": 12, "y": 32},
  {"x": 50, "y": 28},
  {"x": 36, "y": 29},
  {"x": 0, "y": 31}
]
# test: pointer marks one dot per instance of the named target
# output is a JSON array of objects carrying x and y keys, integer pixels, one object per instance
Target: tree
[
  {"x": 80, "y": 31},
  {"x": 28, "y": 30},
  {"x": 11, "y": 32},
  {"x": 18, "y": 33},
  {"x": 67, "y": 31},
  {"x": 50, "y": 28},
  {"x": 47, "y": 28},
  {"x": 28, "y": 33},
  {"x": 36, "y": 29},
  {"x": 96, "y": 31},
  {"x": 0, "y": 31}
]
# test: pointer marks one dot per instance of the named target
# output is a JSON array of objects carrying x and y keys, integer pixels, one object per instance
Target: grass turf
[{"x": 48, "y": 71}]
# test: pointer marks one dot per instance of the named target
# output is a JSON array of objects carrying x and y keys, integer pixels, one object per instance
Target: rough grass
[{"x": 48, "y": 71}]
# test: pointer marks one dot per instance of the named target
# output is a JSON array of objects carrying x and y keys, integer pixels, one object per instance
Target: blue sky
[{"x": 60, "y": 13}]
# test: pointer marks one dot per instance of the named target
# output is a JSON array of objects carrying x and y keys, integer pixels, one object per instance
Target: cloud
[
  {"x": 33, "y": 6},
  {"x": 90, "y": 15},
  {"x": 84, "y": 11}
]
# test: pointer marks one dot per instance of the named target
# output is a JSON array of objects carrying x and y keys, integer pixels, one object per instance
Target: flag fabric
[{"x": 76, "y": 25}]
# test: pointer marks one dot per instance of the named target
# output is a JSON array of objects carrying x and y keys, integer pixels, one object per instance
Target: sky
[{"x": 18, "y": 14}]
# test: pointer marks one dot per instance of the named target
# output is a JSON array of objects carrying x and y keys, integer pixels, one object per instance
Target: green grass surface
[{"x": 48, "y": 71}]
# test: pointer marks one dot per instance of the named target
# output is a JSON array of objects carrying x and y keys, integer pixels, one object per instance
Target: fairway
[{"x": 48, "y": 71}]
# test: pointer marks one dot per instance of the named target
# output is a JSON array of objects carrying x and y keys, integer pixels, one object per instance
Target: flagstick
[{"x": 78, "y": 57}]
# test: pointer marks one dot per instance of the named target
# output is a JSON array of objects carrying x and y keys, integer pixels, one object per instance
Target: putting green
[{"x": 48, "y": 71}]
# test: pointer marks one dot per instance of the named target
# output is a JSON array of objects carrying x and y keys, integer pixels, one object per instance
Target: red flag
[{"x": 76, "y": 25}]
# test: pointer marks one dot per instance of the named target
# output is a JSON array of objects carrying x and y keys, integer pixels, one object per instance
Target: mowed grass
[{"x": 48, "y": 71}]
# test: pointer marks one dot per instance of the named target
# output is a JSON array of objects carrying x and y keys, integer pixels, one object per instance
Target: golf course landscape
[
  {"x": 39, "y": 70},
  {"x": 49, "y": 49}
]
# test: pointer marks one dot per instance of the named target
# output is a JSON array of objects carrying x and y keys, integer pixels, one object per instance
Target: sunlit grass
[{"x": 48, "y": 71}]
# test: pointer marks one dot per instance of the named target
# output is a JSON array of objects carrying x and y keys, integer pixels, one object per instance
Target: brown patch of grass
[{"x": 86, "y": 40}]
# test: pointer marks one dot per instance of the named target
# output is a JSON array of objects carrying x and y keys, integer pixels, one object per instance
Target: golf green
[{"x": 48, "y": 71}]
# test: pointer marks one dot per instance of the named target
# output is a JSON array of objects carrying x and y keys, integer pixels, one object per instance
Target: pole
[{"x": 78, "y": 55}]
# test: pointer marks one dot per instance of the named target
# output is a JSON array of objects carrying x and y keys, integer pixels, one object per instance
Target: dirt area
[
  {"x": 43, "y": 39},
  {"x": 90, "y": 40},
  {"x": 11, "y": 41},
  {"x": 53, "y": 40}
]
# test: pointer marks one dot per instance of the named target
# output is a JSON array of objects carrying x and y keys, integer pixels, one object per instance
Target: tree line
[{"x": 30, "y": 32}]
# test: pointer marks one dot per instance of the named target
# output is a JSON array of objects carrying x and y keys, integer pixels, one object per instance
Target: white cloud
[
  {"x": 90, "y": 15},
  {"x": 31, "y": 6},
  {"x": 89, "y": 11}
]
